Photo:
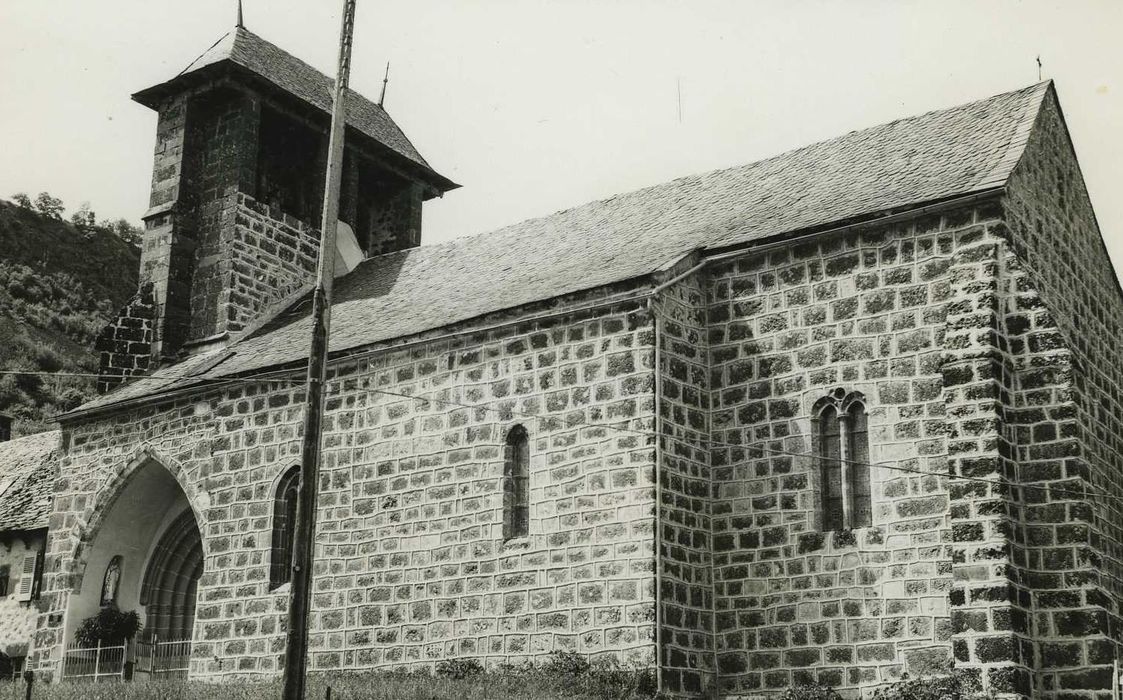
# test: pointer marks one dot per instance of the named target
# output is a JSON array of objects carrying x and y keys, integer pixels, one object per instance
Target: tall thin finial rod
[
  {"x": 1039, "y": 69},
  {"x": 678, "y": 88},
  {"x": 385, "y": 79},
  {"x": 241, "y": 22}
]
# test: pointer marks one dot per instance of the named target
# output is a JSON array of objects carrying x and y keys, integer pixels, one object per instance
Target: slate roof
[
  {"x": 893, "y": 167},
  {"x": 243, "y": 48},
  {"x": 32, "y": 463}
]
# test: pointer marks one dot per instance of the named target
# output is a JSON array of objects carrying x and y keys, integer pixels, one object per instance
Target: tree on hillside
[
  {"x": 84, "y": 219},
  {"x": 123, "y": 230},
  {"x": 49, "y": 206}
]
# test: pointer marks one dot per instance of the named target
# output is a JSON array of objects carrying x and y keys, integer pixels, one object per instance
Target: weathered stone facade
[
  {"x": 685, "y": 564},
  {"x": 862, "y": 312},
  {"x": 412, "y": 566},
  {"x": 125, "y": 345},
  {"x": 271, "y": 257},
  {"x": 754, "y": 595},
  {"x": 1069, "y": 422},
  {"x": 238, "y": 177},
  {"x": 677, "y": 468}
]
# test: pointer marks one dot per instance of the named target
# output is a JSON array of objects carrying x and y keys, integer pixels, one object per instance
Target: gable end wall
[{"x": 1076, "y": 450}]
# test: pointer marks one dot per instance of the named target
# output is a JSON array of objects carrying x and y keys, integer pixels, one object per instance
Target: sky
[{"x": 539, "y": 105}]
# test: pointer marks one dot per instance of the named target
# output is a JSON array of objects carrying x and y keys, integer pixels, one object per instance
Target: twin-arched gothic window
[
  {"x": 516, "y": 484},
  {"x": 284, "y": 527},
  {"x": 844, "y": 452}
]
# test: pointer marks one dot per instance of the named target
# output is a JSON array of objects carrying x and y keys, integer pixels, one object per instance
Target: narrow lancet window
[
  {"x": 516, "y": 484},
  {"x": 830, "y": 447},
  {"x": 843, "y": 454},
  {"x": 284, "y": 528},
  {"x": 859, "y": 457}
]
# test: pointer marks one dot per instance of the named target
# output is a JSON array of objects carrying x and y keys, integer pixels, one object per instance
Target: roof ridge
[
  {"x": 195, "y": 60},
  {"x": 710, "y": 173},
  {"x": 330, "y": 81},
  {"x": 895, "y": 166},
  {"x": 1012, "y": 152},
  {"x": 298, "y": 59},
  {"x": 249, "y": 51}
]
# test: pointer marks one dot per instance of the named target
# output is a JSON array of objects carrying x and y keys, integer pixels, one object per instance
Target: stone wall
[
  {"x": 861, "y": 312},
  {"x": 411, "y": 564},
  {"x": 1071, "y": 418},
  {"x": 271, "y": 256},
  {"x": 167, "y": 167},
  {"x": 394, "y": 218},
  {"x": 686, "y": 611},
  {"x": 220, "y": 162},
  {"x": 168, "y": 246},
  {"x": 689, "y": 530},
  {"x": 982, "y": 376},
  {"x": 125, "y": 345}
]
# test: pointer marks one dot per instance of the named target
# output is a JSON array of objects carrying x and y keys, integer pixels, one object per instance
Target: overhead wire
[{"x": 756, "y": 446}]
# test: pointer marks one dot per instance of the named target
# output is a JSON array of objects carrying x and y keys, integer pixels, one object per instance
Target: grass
[
  {"x": 562, "y": 676},
  {"x": 485, "y": 686}
]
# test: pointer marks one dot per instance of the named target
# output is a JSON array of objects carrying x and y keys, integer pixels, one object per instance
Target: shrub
[
  {"x": 810, "y": 692},
  {"x": 566, "y": 663},
  {"x": 458, "y": 669},
  {"x": 109, "y": 626},
  {"x": 610, "y": 679},
  {"x": 605, "y": 678},
  {"x": 952, "y": 685}
]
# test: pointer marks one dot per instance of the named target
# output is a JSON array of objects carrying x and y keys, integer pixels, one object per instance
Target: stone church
[{"x": 836, "y": 416}]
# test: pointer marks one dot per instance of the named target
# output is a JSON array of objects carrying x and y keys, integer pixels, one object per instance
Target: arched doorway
[
  {"x": 170, "y": 581},
  {"x": 144, "y": 554}
]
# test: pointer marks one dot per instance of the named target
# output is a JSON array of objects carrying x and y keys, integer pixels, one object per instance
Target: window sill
[
  {"x": 853, "y": 537},
  {"x": 515, "y": 543}
]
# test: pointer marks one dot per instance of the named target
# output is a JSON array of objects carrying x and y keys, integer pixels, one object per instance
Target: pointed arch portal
[
  {"x": 147, "y": 529},
  {"x": 170, "y": 582}
]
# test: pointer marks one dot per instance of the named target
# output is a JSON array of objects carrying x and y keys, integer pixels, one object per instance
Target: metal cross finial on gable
[
  {"x": 385, "y": 79},
  {"x": 241, "y": 23}
]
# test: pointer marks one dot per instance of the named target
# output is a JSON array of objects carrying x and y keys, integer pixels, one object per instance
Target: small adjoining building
[
  {"x": 836, "y": 416},
  {"x": 28, "y": 471}
]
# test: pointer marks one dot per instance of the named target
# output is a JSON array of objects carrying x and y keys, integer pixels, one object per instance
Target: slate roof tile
[
  {"x": 30, "y": 463},
  {"x": 289, "y": 73},
  {"x": 892, "y": 167}
]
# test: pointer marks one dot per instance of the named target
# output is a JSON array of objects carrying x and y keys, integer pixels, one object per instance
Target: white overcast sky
[{"x": 538, "y": 105}]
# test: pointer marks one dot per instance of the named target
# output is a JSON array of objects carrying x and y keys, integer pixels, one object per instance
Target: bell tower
[{"x": 237, "y": 180}]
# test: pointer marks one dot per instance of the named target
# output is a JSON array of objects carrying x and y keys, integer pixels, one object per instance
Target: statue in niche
[{"x": 112, "y": 581}]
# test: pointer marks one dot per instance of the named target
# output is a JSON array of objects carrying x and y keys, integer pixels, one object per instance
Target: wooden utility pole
[{"x": 296, "y": 640}]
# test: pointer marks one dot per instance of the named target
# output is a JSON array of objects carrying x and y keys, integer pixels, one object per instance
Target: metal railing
[
  {"x": 168, "y": 659},
  {"x": 103, "y": 662}
]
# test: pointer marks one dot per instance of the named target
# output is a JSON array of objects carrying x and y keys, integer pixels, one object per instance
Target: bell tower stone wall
[{"x": 232, "y": 226}]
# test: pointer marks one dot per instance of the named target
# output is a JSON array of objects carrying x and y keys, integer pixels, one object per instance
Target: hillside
[{"x": 59, "y": 284}]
